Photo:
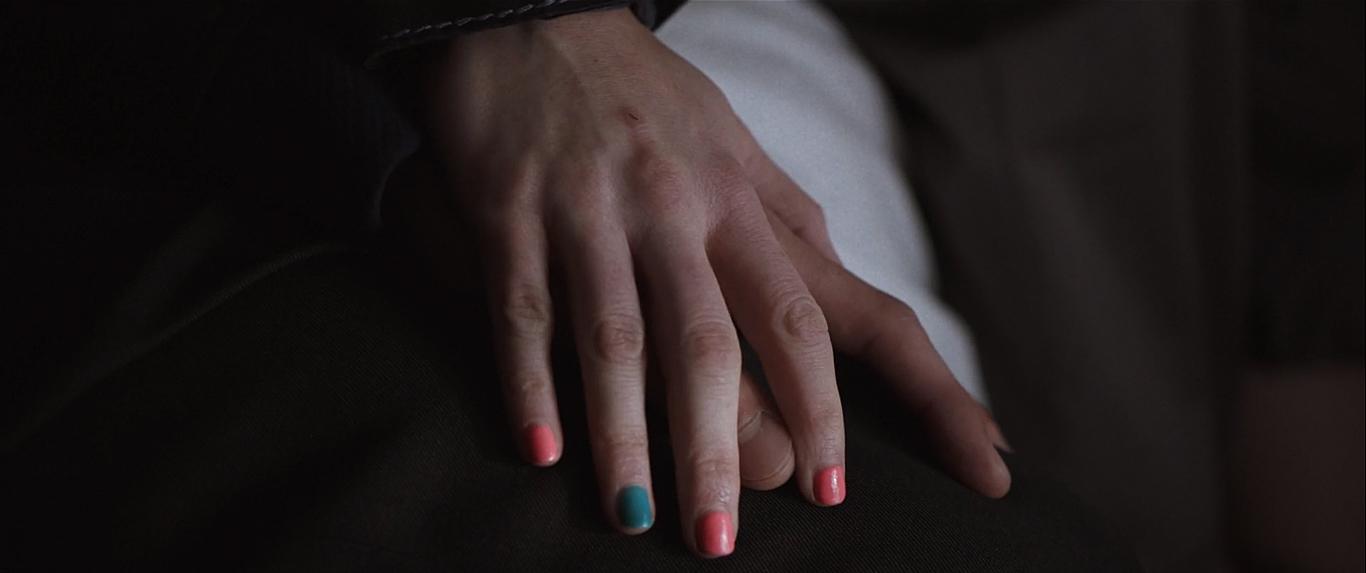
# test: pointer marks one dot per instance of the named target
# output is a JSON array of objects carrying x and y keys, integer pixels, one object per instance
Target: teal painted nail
[{"x": 633, "y": 508}]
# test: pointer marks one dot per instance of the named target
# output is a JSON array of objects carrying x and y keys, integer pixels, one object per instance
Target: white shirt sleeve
[{"x": 821, "y": 113}]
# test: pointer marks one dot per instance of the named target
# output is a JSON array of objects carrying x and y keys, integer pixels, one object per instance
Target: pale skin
[{"x": 584, "y": 148}]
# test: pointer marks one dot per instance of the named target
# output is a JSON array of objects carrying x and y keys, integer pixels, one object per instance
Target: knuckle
[
  {"x": 895, "y": 313},
  {"x": 714, "y": 464},
  {"x": 525, "y": 311},
  {"x": 711, "y": 345},
  {"x": 730, "y": 192},
  {"x": 659, "y": 170},
  {"x": 802, "y": 321},
  {"x": 812, "y": 212},
  {"x": 586, "y": 180},
  {"x": 901, "y": 319},
  {"x": 897, "y": 327},
  {"x": 619, "y": 339},
  {"x": 629, "y": 443},
  {"x": 500, "y": 204},
  {"x": 529, "y": 387},
  {"x": 663, "y": 179},
  {"x": 826, "y": 419},
  {"x": 729, "y": 178}
]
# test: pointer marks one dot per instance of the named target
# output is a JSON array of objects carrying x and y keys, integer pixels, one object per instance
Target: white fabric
[{"x": 820, "y": 112}]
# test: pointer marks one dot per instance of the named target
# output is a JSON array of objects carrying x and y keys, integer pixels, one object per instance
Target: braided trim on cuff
[
  {"x": 455, "y": 25},
  {"x": 407, "y": 37}
]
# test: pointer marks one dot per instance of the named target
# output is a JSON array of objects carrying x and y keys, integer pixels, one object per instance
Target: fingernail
[
  {"x": 540, "y": 443},
  {"x": 764, "y": 452},
  {"x": 994, "y": 434},
  {"x": 633, "y": 508},
  {"x": 829, "y": 486},
  {"x": 716, "y": 534},
  {"x": 999, "y": 440}
]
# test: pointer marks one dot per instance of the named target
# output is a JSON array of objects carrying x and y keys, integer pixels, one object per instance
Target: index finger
[
  {"x": 785, "y": 324},
  {"x": 798, "y": 211},
  {"x": 871, "y": 325}
]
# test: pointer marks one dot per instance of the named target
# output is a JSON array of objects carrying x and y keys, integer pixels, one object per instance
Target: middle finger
[{"x": 700, "y": 355}]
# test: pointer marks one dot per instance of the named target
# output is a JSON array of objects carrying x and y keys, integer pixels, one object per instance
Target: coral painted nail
[
  {"x": 540, "y": 442},
  {"x": 716, "y": 534},
  {"x": 829, "y": 486}
]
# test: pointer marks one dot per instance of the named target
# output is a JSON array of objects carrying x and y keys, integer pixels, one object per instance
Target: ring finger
[{"x": 700, "y": 355}]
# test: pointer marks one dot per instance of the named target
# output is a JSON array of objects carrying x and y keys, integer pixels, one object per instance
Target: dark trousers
[
  {"x": 1131, "y": 202},
  {"x": 216, "y": 366}
]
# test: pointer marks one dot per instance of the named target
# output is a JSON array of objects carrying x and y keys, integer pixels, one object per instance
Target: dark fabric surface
[
  {"x": 1306, "y": 86},
  {"x": 143, "y": 138},
  {"x": 1129, "y": 201},
  {"x": 216, "y": 366}
]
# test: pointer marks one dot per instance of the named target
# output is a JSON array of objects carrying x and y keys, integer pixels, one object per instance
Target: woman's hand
[{"x": 582, "y": 146}]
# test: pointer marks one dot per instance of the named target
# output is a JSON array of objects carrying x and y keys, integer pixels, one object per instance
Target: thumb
[
  {"x": 766, "y": 456},
  {"x": 786, "y": 200}
]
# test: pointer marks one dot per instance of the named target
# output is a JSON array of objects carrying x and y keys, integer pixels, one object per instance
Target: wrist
[{"x": 584, "y": 40}]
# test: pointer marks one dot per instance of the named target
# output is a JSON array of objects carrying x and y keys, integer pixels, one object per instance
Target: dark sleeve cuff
[{"x": 378, "y": 29}]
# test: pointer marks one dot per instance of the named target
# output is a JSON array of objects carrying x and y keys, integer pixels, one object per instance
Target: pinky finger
[{"x": 786, "y": 200}]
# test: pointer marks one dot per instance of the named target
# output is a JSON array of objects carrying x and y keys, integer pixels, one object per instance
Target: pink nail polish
[
  {"x": 716, "y": 534},
  {"x": 540, "y": 443},
  {"x": 829, "y": 486}
]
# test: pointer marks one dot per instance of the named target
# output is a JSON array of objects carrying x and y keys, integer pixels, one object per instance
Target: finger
[
  {"x": 519, "y": 303},
  {"x": 797, "y": 210},
  {"x": 611, "y": 342},
  {"x": 700, "y": 355},
  {"x": 766, "y": 458},
  {"x": 997, "y": 438},
  {"x": 788, "y": 330},
  {"x": 879, "y": 329}
]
